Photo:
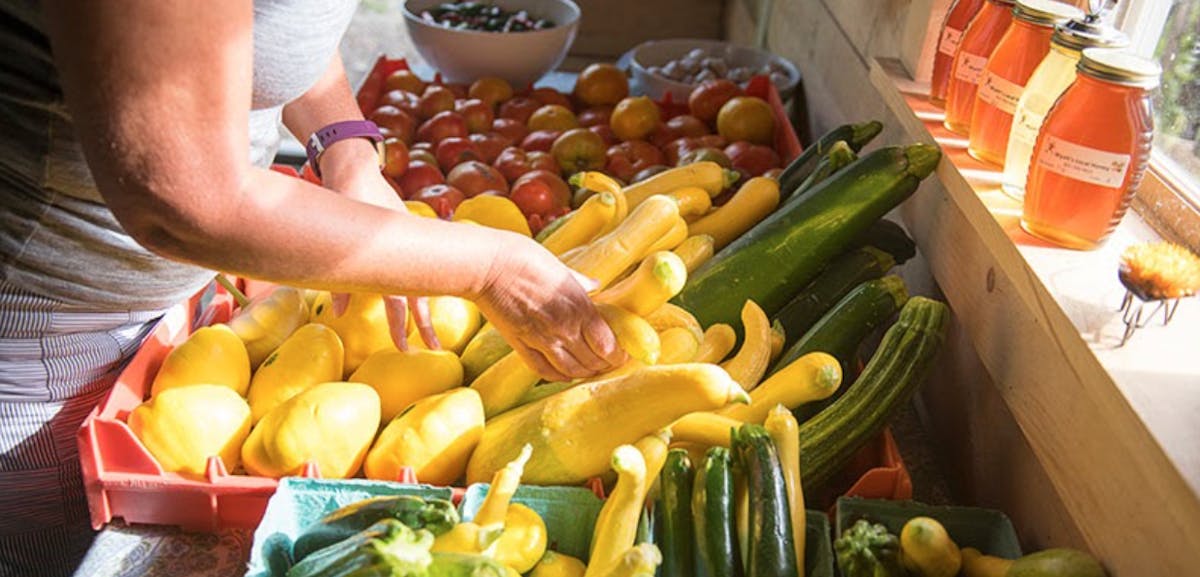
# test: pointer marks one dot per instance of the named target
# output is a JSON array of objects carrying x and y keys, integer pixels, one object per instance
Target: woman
[{"x": 132, "y": 165}]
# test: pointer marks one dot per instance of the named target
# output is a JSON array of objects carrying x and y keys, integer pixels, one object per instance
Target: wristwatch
[{"x": 338, "y": 131}]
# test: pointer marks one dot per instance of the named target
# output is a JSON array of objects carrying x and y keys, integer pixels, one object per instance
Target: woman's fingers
[
  {"x": 424, "y": 321},
  {"x": 600, "y": 341},
  {"x": 340, "y": 302},
  {"x": 396, "y": 308},
  {"x": 538, "y": 362}
]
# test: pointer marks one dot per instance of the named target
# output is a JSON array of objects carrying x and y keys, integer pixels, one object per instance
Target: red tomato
[{"x": 541, "y": 192}]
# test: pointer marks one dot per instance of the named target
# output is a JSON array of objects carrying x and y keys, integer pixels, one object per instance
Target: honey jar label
[
  {"x": 948, "y": 45},
  {"x": 970, "y": 67},
  {"x": 1001, "y": 93},
  {"x": 1083, "y": 163}
]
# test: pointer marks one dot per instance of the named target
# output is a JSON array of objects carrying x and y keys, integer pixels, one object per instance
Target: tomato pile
[{"x": 447, "y": 143}]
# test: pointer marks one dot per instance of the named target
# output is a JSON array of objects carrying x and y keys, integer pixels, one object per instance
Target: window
[{"x": 1169, "y": 32}]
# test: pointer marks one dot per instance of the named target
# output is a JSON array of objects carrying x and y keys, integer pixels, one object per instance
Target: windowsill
[{"x": 1045, "y": 322}]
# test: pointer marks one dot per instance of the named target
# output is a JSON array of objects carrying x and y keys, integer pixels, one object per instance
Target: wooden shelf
[{"x": 1115, "y": 428}]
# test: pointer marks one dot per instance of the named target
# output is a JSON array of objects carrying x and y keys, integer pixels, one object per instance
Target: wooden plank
[{"x": 1134, "y": 508}]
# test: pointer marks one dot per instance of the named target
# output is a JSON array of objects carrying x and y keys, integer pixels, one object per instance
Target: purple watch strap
[{"x": 338, "y": 131}]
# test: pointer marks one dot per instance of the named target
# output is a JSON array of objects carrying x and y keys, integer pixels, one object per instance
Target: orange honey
[
  {"x": 977, "y": 44},
  {"x": 957, "y": 18},
  {"x": 1011, "y": 64},
  {"x": 1092, "y": 150}
]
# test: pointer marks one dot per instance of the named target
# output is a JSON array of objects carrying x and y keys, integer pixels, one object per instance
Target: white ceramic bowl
[
  {"x": 657, "y": 53},
  {"x": 462, "y": 56}
]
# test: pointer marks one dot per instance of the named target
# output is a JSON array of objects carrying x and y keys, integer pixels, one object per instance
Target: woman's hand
[{"x": 542, "y": 309}]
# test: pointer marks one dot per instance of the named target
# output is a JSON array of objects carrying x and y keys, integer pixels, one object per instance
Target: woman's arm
[{"x": 160, "y": 92}]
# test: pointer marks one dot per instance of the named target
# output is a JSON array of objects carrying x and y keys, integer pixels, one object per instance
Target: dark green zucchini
[
  {"x": 717, "y": 553},
  {"x": 772, "y": 551},
  {"x": 856, "y": 135},
  {"x": 889, "y": 237},
  {"x": 386, "y": 549},
  {"x": 839, "y": 156},
  {"x": 435, "y": 515},
  {"x": 836, "y": 281},
  {"x": 900, "y": 364},
  {"x": 677, "y": 536},
  {"x": 790, "y": 247},
  {"x": 843, "y": 328}
]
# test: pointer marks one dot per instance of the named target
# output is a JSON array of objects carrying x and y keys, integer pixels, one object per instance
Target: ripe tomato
[{"x": 541, "y": 192}]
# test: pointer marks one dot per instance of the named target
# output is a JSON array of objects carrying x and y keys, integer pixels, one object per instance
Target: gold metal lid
[
  {"x": 1120, "y": 67},
  {"x": 1045, "y": 12},
  {"x": 1089, "y": 32}
]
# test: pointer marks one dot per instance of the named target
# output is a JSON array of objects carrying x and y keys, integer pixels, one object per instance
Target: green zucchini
[
  {"x": 387, "y": 548},
  {"x": 840, "y": 155},
  {"x": 717, "y": 553},
  {"x": 856, "y": 135},
  {"x": 435, "y": 515},
  {"x": 772, "y": 552},
  {"x": 836, "y": 281},
  {"x": 676, "y": 530},
  {"x": 843, "y": 328},
  {"x": 900, "y": 364},
  {"x": 889, "y": 237},
  {"x": 790, "y": 247}
]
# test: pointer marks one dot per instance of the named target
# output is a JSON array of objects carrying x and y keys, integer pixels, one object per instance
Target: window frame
[{"x": 1169, "y": 198}]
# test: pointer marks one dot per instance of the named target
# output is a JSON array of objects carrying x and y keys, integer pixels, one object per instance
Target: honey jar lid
[
  {"x": 1091, "y": 31},
  {"x": 1045, "y": 12},
  {"x": 1120, "y": 67}
]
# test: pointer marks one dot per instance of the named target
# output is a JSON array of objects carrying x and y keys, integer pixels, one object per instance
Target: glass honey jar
[
  {"x": 977, "y": 44},
  {"x": 1092, "y": 150},
  {"x": 1048, "y": 81},
  {"x": 1019, "y": 52},
  {"x": 957, "y": 18}
]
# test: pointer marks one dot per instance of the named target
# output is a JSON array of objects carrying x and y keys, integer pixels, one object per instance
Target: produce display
[
  {"x": 743, "y": 297},
  {"x": 699, "y": 65}
]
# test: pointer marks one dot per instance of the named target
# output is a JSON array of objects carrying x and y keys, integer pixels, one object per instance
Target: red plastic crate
[{"x": 123, "y": 480}]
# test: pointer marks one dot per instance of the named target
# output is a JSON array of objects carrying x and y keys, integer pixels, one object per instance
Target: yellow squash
[
  {"x": 718, "y": 342},
  {"x": 331, "y": 425},
  {"x": 363, "y": 326},
  {"x": 976, "y": 564},
  {"x": 695, "y": 250},
  {"x": 609, "y": 255},
  {"x": 455, "y": 320},
  {"x": 583, "y": 225},
  {"x": 653, "y": 448},
  {"x": 616, "y": 525},
  {"x": 694, "y": 201},
  {"x": 709, "y": 176},
  {"x": 524, "y": 539},
  {"x": 679, "y": 345},
  {"x": 785, "y": 433},
  {"x": 558, "y": 565},
  {"x": 493, "y": 211},
  {"x": 704, "y": 429},
  {"x": 481, "y": 534},
  {"x": 778, "y": 338},
  {"x": 183, "y": 427},
  {"x": 402, "y": 378},
  {"x": 752, "y": 203},
  {"x": 673, "y": 238},
  {"x": 573, "y": 432},
  {"x": 211, "y": 356},
  {"x": 482, "y": 351},
  {"x": 750, "y": 363},
  {"x": 926, "y": 549},
  {"x": 812, "y": 377},
  {"x": 670, "y": 315},
  {"x": 434, "y": 437},
  {"x": 311, "y": 356},
  {"x": 641, "y": 560},
  {"x": 659, "y": 277},
  {"x": 268, "y": 320}
]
